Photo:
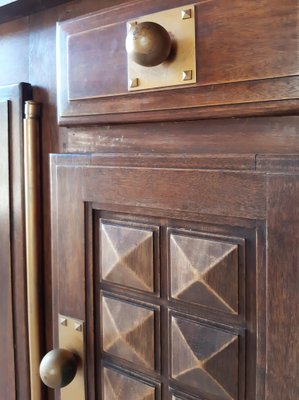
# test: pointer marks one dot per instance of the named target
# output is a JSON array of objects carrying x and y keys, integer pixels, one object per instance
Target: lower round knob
[{"x": 58, "y": 368}]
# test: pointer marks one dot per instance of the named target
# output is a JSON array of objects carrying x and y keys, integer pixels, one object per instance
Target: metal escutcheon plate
[
  {"x": 71, "y": 337},
  {"x": 180, "y": 67}
]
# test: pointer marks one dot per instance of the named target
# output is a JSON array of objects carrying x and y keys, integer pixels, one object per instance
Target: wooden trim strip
[{"x": 7, "y": 340}]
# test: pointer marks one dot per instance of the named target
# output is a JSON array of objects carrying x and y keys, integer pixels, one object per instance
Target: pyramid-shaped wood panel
[
  {"x": 205, "y": 358},
  {"x": 128, "y": 332},
  {"x": 127, "y": 255},
  {"x": 121, "y": 387},
  {"x": 204, "y": 272}
]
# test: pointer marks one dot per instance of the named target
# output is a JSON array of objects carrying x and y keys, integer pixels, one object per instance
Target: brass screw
[
  {"x": 132, "y": 24},
  {"x": 63, "y": 321},
  {"x": 187, "y": 75},
  {"x": 78, "y": 327},
  {"x": 186, "y": 14},
  {"x": 133, "y": 83}
]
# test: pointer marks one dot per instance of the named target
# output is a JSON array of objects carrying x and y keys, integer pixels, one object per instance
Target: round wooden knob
[
  {"x": 148, "y": 44},
  {"x": 58, "y": 368}
]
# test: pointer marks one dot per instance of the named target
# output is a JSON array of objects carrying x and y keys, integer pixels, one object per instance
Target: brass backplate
[
  {"x": 71, "y": 337},
  {"x": 180, "y": 69}
]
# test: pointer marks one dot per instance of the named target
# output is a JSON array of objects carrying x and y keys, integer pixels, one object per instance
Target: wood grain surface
[
  {"x": 16, "y": 9},
  {"x": 282, "y": 287},
  {"x": 14, "y": 249},
  {"x": 127, "y": 255},
  {"x": 268, "y": 145},
  {"x": 83, "y": 179},
  {"x": 240, "y": 60},
  {"x": 7, "y": 375}
]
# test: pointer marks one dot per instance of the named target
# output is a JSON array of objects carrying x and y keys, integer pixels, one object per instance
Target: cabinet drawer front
[{"x": 241, "y": 60}]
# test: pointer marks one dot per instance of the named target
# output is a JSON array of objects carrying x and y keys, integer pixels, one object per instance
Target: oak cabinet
[{"x": 175, "y": 226}]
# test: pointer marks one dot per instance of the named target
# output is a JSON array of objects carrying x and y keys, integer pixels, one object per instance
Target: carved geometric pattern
[
  {"x": 128, "y": 332},
  {"x": 127, "y": 256},
  {"x": 204, "y": 272},
  {"x": 205, "y": 358},
  {"x": 120, "y": 387}
]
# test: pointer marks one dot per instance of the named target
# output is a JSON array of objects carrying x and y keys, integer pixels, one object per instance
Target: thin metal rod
[{"x": 33, "y": 241}]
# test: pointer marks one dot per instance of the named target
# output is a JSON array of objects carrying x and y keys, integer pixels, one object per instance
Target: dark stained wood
[
  {"x": 118, "y": 345},
  {"x": 244, "y": 162},
  {"x": 244, "y": 196},
  {"x": 254, "y": 135},
  {"x": 131, "y": 338},
  {"x": 172, "y": 218},
  {"x": 242, "y": 137},
  {"x": 253, "y": 50},
  {"x": 269, "y": 108},
  {"x": 42, "y": 70},
  {"x": 90, "y": 303},
  {"x": 16, "y": 95},
  {"x": 245, "y": 199},
  {"x": 127, "y": 255},
  {"x": 203, "y": 102},
  {"x": 278, "y": 163},
  {"x": 16, "y": 9},
  {"x": 204, "y": 271},
  {"x": 260, "y": 311},
  {"x": 69, "y": 265},
  {"x": 240, "y": 63},
  {"x": 205, "y": 358},
  {"x": 226, "y": 52},
  {"x": 282, "y": 287},
  {"x": 7, "y": 374},
  {"x": 180, "y": 396},
  {"x": 126, "y": 387},
  {"x": 269, "y": 145},
  {"x": 106, "y": 74}
]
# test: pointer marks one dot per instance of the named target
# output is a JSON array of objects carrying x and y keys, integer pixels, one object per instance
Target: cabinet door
[
  {"x": 14, "y": 368},
  {"x": 165, "y": 267}
]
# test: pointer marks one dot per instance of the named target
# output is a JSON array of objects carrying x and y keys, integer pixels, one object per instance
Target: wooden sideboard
[{"x": 174, "y": 237}]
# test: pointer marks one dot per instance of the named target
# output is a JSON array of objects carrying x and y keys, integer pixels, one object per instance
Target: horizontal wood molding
[{"x": 242, "y": 136}]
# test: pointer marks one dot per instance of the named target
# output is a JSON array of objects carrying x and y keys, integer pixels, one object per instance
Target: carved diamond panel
[
  {"x": 205, "y": 358},
  {"x": 204, "y": 272},
  {"x": 129, "y": 331},
  {"x": 121, "y": 387},
  {"x": 127, "y": 256}
]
